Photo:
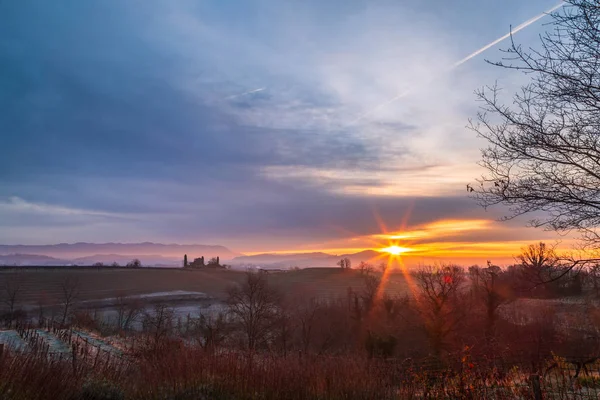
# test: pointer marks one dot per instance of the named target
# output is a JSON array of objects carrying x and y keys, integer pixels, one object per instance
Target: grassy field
[
  {"x": 44, "y": 284},
  {"x": 330, "y": 282}
]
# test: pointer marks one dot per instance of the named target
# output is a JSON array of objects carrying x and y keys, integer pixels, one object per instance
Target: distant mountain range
[
  {"x": 267, "y": 258},
  {"x": 31, "y": 259},
  {"x": 303, "y": 260},
  {"x": 107, "y": 253},
  {"x": 106, "y": 259},
  {"x": 168, "y": 255}
]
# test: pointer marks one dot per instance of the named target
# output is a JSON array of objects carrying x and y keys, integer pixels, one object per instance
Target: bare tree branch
[{"x": 543, "y": 151}]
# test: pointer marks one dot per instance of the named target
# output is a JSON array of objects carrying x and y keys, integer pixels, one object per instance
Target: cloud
[
  {"x": 457, "y": 64},
  {"x": 118, "y": 128},
  {"x": 397, "y": 180},
  {"x": 27, "y": 222},
  {"x": 18, "y": 205}
]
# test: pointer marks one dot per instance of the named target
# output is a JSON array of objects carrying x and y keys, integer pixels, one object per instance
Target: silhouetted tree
[
  {"x": 283, "y": 327},
  {"x": 378, "y": 346},
  {"x": 540, "y": 267},
  {"x": 305, "y": 313},
  {"x": 254, "y": 305},
  {"x": 492, "y": 291},
  {"x": 370, "y": 291},
  {"x": 135, "y": 263},
  {"x": 365, "y": 268},
  {"x": 69, "y": 290},
  {"x": 440, "y": 302},
  {"x": 594, "y": 278},
  {"x": 212, "y": 330},
  {"x": 11, "y": 291},
  {"x": 544, "y": 148},
  {"x": 345, "y": 263},
  {"x": 42, "y": 300},
  {"x": 159, "y": 323},
  {"x": 128, "y": 311},
  {"x": 185, "y": 261}
]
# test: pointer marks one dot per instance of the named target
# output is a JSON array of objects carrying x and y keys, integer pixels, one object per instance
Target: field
[
  {"x": 330, "y": 282},
  {"x": 364, "y": 348},
  {"x": 45, "y": 284}
]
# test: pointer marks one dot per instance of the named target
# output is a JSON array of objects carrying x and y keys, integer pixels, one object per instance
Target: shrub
[
  {"x": 589, "y": 381},
  {"x": 100, "y": 390}
]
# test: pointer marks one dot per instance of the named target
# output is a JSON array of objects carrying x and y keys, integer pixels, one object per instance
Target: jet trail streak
[
  {"x": 517, "y": 29},
  {"x": 245, "y": 93},
  {"x": 460, "y": 62}
]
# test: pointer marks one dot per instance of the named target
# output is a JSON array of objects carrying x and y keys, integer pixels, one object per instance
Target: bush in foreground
[{"x": 187, "y": 373}]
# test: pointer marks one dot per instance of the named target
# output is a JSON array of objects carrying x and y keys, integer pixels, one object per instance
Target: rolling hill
[
  {"x": 107, "y": 253},
  {"x": 303, "y": 260}
]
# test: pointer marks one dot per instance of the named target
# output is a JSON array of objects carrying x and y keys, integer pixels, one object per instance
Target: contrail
[
  {"x": 245, "y": 93},
  {"x": 460, "y": 62},
  {"x": 517, "y": 29}
]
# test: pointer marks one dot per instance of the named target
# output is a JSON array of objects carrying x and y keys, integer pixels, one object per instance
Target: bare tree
[
  {"x": 365, "y": 268},
  {"x": 474, "y": 274},
  {"x": 283, "y": 327},
  {"x": 69, "y": 290},
  {"x": 305, "y": 313},
  {"x": 489, "y": 289},
  {"x": 333, "y": 327},
  {"x": 540, "y": 263},
  {"x": 11, "y": 292},
  {"x": 254, "y": 304},
  {"x": 345, "y": 263},
  {"x": 594, "y": 278},
  {"x": 370, "y": 292},
  {"x": 211, "y": 331},
  {"x": 440, "y": 302},
  {"x": 159, "y": 324},
  {"x": 42, "y": 300},
  {"x": 135, "y": 263},
  {"x": 544, "y": 147},
  {"x": 128, "y": 311}
]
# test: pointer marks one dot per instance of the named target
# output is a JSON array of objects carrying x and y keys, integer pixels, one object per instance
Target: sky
[{"x": 258, "y": 125}]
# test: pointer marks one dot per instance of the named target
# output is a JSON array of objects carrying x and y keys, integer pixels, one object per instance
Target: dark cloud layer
[{"x": 98, "y": 126}]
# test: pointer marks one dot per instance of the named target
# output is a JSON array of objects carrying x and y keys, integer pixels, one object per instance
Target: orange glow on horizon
[
  {"x": 460, "y": 241},
  {"x": 441, "y": 228}
]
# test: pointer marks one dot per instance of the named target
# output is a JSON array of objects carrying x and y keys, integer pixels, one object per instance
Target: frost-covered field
[
  {"x": 12, "y": 340},
  {"x": 56, "y": 343}
]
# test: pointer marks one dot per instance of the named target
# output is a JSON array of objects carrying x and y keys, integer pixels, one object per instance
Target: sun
[{"x": 395, "y": 250}]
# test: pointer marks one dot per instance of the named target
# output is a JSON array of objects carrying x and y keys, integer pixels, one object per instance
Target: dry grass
[{"x": 176, "y": 372}]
